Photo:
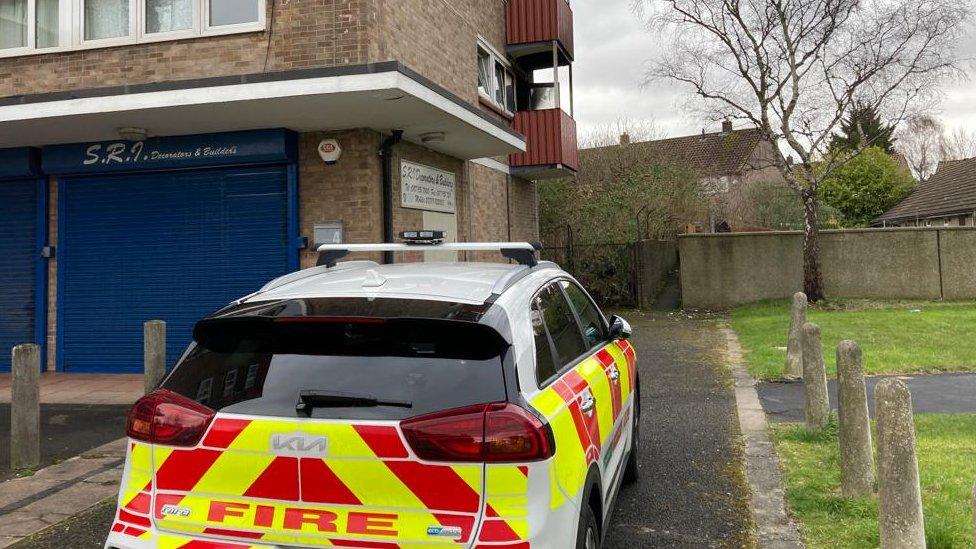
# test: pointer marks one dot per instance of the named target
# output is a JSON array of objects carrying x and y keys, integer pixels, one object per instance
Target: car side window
[
  {"x": 545, "y": 363},
  {"x": 593, "y": 324},
  {"x": 560, "y": 323}
]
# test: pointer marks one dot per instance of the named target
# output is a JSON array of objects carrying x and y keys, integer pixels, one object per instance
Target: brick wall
[
  {"x": 305, "y": 34},
  {"x": 524, "y": 208},
  {"x": 349, "y": 191},
  {"x": 439, "y": 38}
]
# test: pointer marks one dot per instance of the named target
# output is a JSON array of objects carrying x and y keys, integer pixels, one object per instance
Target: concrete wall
[
  {"x": 656, "y": 258},
  {"x": 719, "y": 271}
]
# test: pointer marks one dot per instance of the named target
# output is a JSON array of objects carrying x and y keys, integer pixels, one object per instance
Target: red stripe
[
  {"x": 524, "y": 470},
  {"x": 197, "y": 544},
  {"x": 605, "y": 358},
  {"x": 385, "y": 442},
  {"x": 321, "y": 485},
  {"x": 496, "y": 529},
  {"x": 133, "y": 531},
  {"x": 574, "y": 379},
  {"x": 615, "y": 390},
  {"x": 224, "y": 431},
  {"x": 572, "y": 403},
  {"x": 437, "y": 486},
  {"x": 117, "y": 527},
  {"x": 183, "y": 469},
  {"x": 134, "y": 519},
  {"x": 278, "y": 481},
  {"x": 520, "y": 545},
  {"x": 140, "y": 503},
  {"x": 233, "y": 533}
]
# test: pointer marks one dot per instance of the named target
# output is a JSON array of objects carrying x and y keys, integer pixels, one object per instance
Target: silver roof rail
[{"x": 523, "y": 253}]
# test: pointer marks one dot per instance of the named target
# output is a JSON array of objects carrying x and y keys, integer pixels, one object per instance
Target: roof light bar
[{"x": 522, "y": 252}]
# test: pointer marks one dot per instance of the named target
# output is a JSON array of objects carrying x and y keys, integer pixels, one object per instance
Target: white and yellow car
[{"x": 420, "y": 405}]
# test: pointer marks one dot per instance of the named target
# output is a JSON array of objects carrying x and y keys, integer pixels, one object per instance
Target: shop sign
[
  {"x": 170, "y": 152},
  {"x": 426, "y": 188}
]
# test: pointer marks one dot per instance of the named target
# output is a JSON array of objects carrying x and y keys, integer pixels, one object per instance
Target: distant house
[
  {"x": 947, "y": 199},
  {"x": 726, "y": 161}
]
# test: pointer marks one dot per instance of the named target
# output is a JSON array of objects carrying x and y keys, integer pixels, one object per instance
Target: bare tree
[
  {"x": 925, "y": 142},
  {"x": 794, "y": 68}
]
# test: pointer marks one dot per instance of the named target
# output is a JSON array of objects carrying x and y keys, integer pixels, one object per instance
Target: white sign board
[{"x": 426, "y": 188}]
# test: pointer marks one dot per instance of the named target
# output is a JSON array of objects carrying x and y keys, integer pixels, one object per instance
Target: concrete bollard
[
  {"x": 856, "y": 459},
  {"x": 25, "y": 407},
  {"x": 794, "y": 345},
  {"x": 814, "y": 379},
  {"x": 899, "y": 492},
  {"x": 154, "y": 353}
]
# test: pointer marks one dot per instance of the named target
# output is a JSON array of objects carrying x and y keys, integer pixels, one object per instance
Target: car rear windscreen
[{"x": 262, "y": 366}]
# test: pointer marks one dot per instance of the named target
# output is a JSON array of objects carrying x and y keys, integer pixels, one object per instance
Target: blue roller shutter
[
  {"x": 173, "y": 246},
  {"x": 18, "y": 257}
]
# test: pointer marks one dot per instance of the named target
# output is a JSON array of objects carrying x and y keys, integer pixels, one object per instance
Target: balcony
[
  {"x": 552, "y": 151},
  {"x": 535, "y": 27}
]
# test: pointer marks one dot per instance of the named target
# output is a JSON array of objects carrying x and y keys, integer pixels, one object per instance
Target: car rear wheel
[{"x": 588, "y": 536}]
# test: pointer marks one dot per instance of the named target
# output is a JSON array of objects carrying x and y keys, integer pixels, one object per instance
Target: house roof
[
  {"x": 951, "y": 190},
  {"x": 710, "y": 155}
]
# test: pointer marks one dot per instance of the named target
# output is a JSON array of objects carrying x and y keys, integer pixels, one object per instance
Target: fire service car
[{"x": 410, "y": 405}]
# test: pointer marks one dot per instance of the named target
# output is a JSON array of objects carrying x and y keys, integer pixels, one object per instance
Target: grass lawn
[
  {"x": 947, "y": 467},
  {"x": 896, "y": 337}
]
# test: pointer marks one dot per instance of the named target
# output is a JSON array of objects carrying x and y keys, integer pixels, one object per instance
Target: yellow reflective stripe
[
  {"x": 256, "y": 437},
  {"x": 506, "y": 490},
  {"x": 548, "y": 402},
  {"x": 624, "y": 366},
  {"x": 596, "y": 377},
  {"x": 139, "y": 472},
  {"x": 233, "y": 473}
]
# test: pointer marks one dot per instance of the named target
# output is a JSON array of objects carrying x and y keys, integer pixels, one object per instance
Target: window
[
  {"x": 496, "y": 81},
  {"x": 594, "y": 326},
  {"x": 42, "y": 26},
  {"x": 545, "y": 364},
  {"x": 106, "y": 19},
  {"x": 168, "y": 15},
  {"x": 244, "y": 366},
  {"x": 13, "y": 24},
  {"x": 560, "y": 323},
  {"x": 233, "y": 12}
]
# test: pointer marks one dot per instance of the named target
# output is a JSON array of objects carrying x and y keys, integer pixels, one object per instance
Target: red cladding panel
[
  {"x": 551, "y": 138},
  {"x": 531, "y": 21}
]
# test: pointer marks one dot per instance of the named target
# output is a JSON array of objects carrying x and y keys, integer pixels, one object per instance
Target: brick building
[{"x": 160, "y": 157}]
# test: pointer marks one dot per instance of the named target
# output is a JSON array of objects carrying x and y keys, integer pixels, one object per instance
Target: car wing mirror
[{"x": 619, "y": 328}]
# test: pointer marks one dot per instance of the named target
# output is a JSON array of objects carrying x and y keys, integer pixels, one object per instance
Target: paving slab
[
  {"x": 64, "y": 388},
  {"x": 931, "y": 394},
  {"x": 66, "y": 430},
  {"x": 32, "y": 504}
]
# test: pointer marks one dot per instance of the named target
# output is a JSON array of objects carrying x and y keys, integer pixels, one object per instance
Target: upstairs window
[
  {"x": 42, "y": 26},
  {"x": 29, "y": 24},
  {"x": 105, "y": 19},
  {"x": 496, "y": 80}
]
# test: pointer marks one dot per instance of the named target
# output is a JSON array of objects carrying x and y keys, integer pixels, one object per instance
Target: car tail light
[
  {"x": 496, "y": 433},
  {"x": 164, "y": 417}
]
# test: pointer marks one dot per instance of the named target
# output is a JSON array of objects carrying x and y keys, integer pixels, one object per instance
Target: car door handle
[
  {"x": 614, "y": 374},
  {"x": 587, "y": 404}
]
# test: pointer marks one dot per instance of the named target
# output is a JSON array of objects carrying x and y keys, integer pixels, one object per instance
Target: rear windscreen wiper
[{"x": 309, "y": 400}]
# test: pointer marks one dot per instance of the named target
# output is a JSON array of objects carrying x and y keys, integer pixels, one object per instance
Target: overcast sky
[{"x": 612, "y": 51}]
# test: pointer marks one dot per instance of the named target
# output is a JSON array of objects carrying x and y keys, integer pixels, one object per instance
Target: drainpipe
[{"x": 386, "y": 152}]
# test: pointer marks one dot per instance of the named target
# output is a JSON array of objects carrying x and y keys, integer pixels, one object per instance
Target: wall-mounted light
[
  {"x": 432, "y": 137},
  {"x": 133, "y": 134}
]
